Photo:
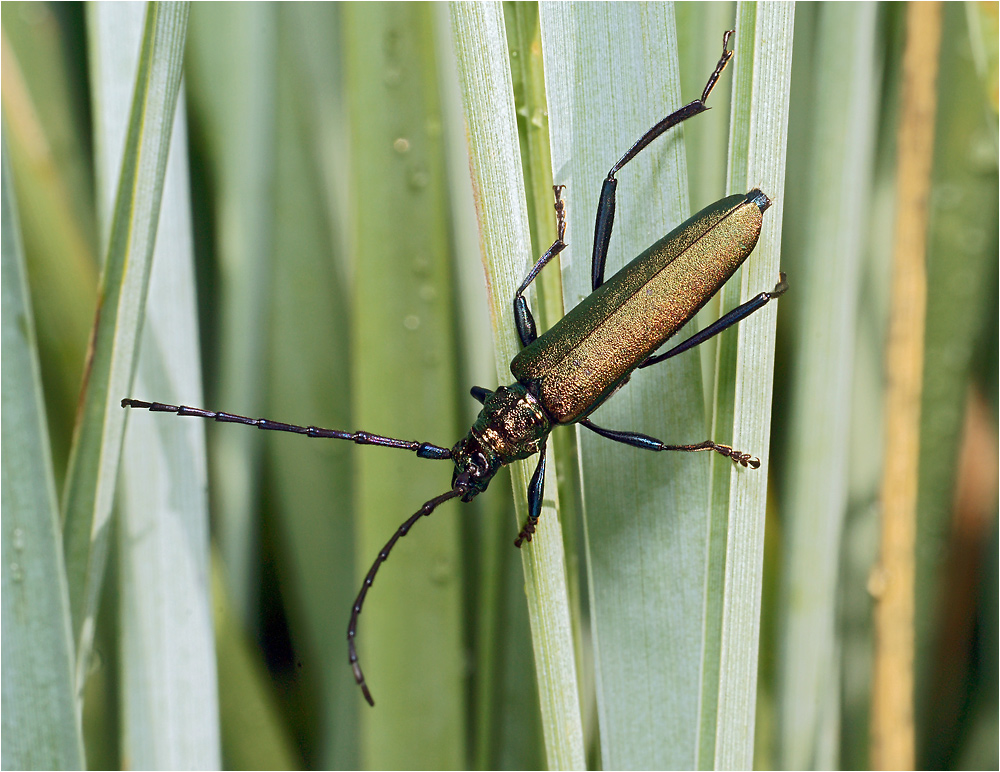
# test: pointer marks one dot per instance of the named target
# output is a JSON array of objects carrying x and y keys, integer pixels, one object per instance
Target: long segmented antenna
[
  {"x": 352, "y": 627},
  {"x": 423, "y": 449}
]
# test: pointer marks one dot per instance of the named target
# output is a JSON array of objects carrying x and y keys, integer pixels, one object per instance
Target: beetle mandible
[{"x": 566, "y": 373}]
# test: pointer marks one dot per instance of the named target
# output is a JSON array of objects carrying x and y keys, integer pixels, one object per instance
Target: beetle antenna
[
  {"x": 352, "y": 627},
  {"x": 422, "y": 449}
]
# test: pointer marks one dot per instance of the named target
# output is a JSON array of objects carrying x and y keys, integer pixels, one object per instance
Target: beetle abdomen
[{"x": 584, "y": 357}]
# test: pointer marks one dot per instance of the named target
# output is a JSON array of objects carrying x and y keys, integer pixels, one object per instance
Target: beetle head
[{"x": 475, "y": 466}]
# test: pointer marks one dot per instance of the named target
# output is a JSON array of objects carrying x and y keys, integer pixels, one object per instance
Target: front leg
[
  {"x": 535, "y": 489},
  {"x": 525, "y": 322}
]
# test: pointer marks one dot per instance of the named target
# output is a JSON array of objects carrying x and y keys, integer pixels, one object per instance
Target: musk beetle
[{"x": 566, "y": 373}]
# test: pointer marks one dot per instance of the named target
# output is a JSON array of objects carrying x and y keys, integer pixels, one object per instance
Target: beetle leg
[
  {"x": 645, "y": 442},
  {"x": 525, "y": 322},
  {"x": 606, "y": 205},
  {"x": 535, "y": 490},
  {"x": 734, "y": 316}
]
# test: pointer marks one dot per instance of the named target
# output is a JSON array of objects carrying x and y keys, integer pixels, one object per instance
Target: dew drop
[
  {"x": 418, "y": 179},
  {"x": 972, "y": 240},
  {"x": 96, "y": 661},
  {"x": 393, "y": 76},
  {"x": 441, "y": 573}
]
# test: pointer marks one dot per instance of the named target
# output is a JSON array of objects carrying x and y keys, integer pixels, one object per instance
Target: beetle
[{"x": 565, "y": 374}]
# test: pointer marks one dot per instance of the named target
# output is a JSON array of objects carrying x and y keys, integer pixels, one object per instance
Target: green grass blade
[
  {"x": 231, "y": 79},
  {"x": 706, "y": 141},
  {"x": 403, "y": 369},
  {"x": 832, "y": 217},
  {"x": 309, "y": 365},
  {"x": 959, "y": 379},
  {"x": 507, "y": 730},
  {"x": 52, "y": 178},
  {"x": 645, "y": 513},
  {"x": 743, "y": 390},
  {"x": 169, "y": 698},
  {"x": 484, "y": 72},
  {"x": 41, "y": 720},
  {"x": 90, "y": 484},
  {"x": 280, "y": 351},
  {"x": 523, "y": 26}
]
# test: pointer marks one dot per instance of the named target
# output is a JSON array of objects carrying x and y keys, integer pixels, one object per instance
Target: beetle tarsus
[
  {"x": 745, "y": 460},
  {"x": 723, "y": 61},
  {"x": 560, "y": 207},
  {"x": 736, "y": 456},
  {"x": 526, "y": 532}
]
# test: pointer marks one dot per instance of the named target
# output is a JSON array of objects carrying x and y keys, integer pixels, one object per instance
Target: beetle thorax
[{"x": 511, "y": 426}]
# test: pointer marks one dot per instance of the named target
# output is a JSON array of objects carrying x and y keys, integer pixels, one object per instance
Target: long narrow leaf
[
  {"x": 826, "y": 294},
  {"x": 90, "y": 483},
  {"x": 51, "y": 178},
  {"x": 495, "y": 603},
  {"x": 309, "y": 365},
  {"x": 743, "y": 387},
  {"x": 168, "y": 680},
  {"x": 403, "y": 372},
  {"x": 41, "y": 719},
  {"x": 231, "y": 80},
  {"x": 484, "y": 71},
  {"x": 645, "y": 513}
]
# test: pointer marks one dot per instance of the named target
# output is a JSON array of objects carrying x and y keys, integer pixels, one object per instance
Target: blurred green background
[{"x": 338, "y": 284}]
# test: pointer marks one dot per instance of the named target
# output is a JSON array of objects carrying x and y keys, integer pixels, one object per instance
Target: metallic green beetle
[{"x": 569, "y": 371}]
